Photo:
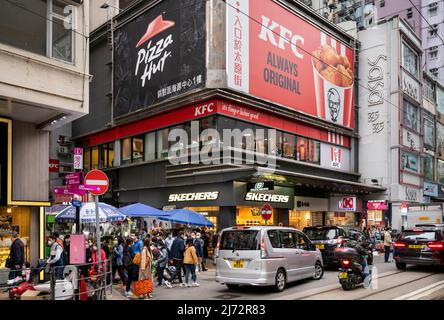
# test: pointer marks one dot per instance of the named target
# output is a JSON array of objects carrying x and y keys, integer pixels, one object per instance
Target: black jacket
[
  {"x": 17, "y": 253},
  {"x": 178, "y": 248},
  {"x": 128, "y": 256}
]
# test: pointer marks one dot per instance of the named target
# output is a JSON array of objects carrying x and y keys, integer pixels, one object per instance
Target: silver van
[{"x": 265, "y": 256}]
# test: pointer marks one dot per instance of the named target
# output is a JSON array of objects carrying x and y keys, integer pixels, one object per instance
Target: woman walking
[
  {"x": 143, "y": 287},
  {"x": 190, "y": 261}
]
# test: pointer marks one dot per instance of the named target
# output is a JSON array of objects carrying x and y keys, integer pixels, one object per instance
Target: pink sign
[
  {"x": 65, "y": 191},
  {"x": 77, "y": 250},
  {"x": 78, "y": 151},
  {"x": 377, "y": 205}
]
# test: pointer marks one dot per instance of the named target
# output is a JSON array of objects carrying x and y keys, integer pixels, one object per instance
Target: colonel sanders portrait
[{"x": 334, "y": 103}]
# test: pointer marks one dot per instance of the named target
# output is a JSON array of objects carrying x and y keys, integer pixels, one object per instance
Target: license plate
[
  {"x": 320, "y": 246},
  {"x": 416, "y": 246},
  {"x": 343, "y": 275},
  {"x": 238, "y": 264}
]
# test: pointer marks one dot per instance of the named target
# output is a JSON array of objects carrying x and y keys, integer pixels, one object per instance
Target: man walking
[
  {"x": 177, "y": 251},
  {"x": 387, "y": 244},
  {"x": 16, "y": 257}
]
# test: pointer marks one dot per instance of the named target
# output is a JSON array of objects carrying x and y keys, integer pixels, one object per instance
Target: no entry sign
[
  {"x": 266, "y": 212},
  {"x": 99, "y": 179}
]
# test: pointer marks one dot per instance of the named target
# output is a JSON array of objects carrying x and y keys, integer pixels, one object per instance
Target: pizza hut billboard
[
  {"x": 278, "y": 56},
  {"x": 159, "y": 55}
]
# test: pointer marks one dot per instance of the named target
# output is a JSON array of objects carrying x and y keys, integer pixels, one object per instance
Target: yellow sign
[{"x": 424, "y": 218}]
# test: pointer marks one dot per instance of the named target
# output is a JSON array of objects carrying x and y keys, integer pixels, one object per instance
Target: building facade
[
  {"x": 43, "y": 85},
  {"x": 397, "y": 120},
  {"x": 298, "y": 146}
]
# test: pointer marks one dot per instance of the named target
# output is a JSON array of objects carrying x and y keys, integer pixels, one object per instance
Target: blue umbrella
[
  {"x": 141, "y": 210},
  {"x": 188, "y": 217},
  {"x": 107, "y": 213}
]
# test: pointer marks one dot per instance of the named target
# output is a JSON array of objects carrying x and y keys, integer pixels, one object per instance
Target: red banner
[{"x": 276, "y": 55}]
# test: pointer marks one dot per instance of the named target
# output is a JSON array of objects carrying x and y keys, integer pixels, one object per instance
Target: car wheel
[
  {"x": 232, "y": 286},
  {"x": 401, "y": 266},
  {"x": 318, "y": 271},
  {"x": 280, "y": 281}
]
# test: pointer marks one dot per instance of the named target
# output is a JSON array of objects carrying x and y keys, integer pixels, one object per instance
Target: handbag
[{"x": 137, "y": 260}]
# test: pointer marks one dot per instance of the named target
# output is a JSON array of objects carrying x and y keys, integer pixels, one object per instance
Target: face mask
[
  {"x": 49, "y": 243},
  {"x": 115, "y": 243},
  {"x": 95, "y": 248},
  {"x": 185, "y": 238},
  {"x": 87, "y": 246}
]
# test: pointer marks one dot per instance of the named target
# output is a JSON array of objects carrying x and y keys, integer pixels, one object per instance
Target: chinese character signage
[
  {"x": 159, "y": 55},
  {"x": 78, "y": 158},
  {"x": 280, "y": 57}
]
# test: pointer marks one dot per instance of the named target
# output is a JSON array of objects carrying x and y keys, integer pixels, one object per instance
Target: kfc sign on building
[
  {"x": 335, "y": 157},
  {"x": 289, "y": 60}
]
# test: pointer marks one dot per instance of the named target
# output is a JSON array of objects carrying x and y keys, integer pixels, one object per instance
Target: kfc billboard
[
  {"x": 278, "y": 56},
  {"x": 159, "y": 55}
]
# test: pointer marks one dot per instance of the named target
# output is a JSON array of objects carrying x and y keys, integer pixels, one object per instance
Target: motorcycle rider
[{"x": 362, "y": 246}]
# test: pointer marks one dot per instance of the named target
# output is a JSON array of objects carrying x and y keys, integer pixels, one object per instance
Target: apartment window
[
  {"x": 433, "y": 55},
  {"x": 433, "y": 31},
  {"x": 382, "y": 3},
  {"x": 409, "y": 13},
  {"x": 434, "y": 72},
  {"x": 433, "y": 9},
  {"x": 429, "y": 90},
  {"x": 126, "y": 150},
  {"x": 440, "y": 171},
  {"x": 137, "y": 151},
  {"x": 409, "y": 59},
  {"x": 410, "y": 115}
]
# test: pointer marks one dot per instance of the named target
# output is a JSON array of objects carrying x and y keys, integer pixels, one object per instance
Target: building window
[
  {"x": 440, "y": 171},
  {"x": 162, "y": 143},
  {"x": 429, "y": 90},
  {"x": 87, "y": 159},
  {"x": 433, "y": 31},
  {"x": 150, "y": 146},
  {"x": 289, "y": 146},
  {"x": 314, "y": 152},
  {"x": 410, "y": 115},
  {"x": 433, "y": 9},
  {"x": 382, "y": 3},
  {"x": 429, "y": 131},
  {"x": 440, "y": 139},
  {"x": 60, "y": 33},
  {"x": 409, "y": 13},
  {"x": 95, "y": 157},
  {"x": 434, "y": 72},
  {"x": 137, "y": 151},
  {"x": 433, "y": 55},
  {"x": 409, "y": 59},
  {"x": 126, "y": 150},
  {"x": 410, "y": 162},
  {"x": 429, "y": 168}
]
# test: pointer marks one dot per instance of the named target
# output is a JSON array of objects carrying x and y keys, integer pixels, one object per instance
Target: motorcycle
[{"x": 351, "y": 271}]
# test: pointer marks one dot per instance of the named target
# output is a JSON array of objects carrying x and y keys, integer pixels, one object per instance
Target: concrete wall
[
  {"x": 30, "y": 158},
  {"x": 99, "y": 16}
]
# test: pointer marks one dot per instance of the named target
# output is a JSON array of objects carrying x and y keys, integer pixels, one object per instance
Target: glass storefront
[
  {"x": 340, "y": 218},
  {"x": 211, "y": 213},
  {"x": 375, "y": 218},
  {"x": 14, "y": 219},
  {"x": 302, "y": 219},
  {"x": 251, "y": 216}
]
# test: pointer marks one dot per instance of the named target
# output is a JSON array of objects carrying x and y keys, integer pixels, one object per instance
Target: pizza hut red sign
[
  {"x": 347, "y": 204},
  {"x": 276, "y": 55}
]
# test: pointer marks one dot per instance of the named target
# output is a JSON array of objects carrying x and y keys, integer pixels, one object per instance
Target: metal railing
[{"x": 71, "y": 282}]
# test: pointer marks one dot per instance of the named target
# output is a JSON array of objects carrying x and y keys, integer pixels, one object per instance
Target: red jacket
[{"x": 94, "y": 258}]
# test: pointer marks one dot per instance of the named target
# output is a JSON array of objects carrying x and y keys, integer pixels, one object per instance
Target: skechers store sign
[
  {"x": 193, "y": 196},
  {"x": 266, "y": 197},
  {"x": 280, "y": 197}
]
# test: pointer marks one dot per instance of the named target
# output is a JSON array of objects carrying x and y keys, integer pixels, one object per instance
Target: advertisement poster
[
  {"x": 280, "y": 57},
  {"x": 410, "y": 162},
  {"x": 159, "y": 55},
  {"x": 334, "y": 157}
]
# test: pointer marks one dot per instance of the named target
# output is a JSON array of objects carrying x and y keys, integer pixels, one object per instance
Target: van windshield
[
  {"x": 321, "y": 234},
  {"x": 239, "y": 240}
]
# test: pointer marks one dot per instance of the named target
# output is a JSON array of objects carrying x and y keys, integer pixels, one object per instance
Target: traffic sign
[
  {"x": 76, "y": 203},
  {"x": 66, "y": 191},
  {"x": 97, "y": 178},
  {"x": 266, "y": 212}
]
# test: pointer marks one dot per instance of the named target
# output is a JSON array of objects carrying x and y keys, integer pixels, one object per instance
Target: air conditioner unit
[
  {"x": 62, "y": 150},
  {"x": 332, "y": 4},
  {"x": 433, "y": 5}
]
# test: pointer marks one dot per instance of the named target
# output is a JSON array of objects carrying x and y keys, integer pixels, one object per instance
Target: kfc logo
[
  {"x": 334, "y": 103},
  {"x": 206, "y": 108},
  {"x": 335, "y": 157}
]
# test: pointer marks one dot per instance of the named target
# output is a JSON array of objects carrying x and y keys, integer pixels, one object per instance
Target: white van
[{"x": 265, "y": 256}]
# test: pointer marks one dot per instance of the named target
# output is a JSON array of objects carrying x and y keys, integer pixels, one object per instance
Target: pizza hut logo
[
  {"x": 334, "y": 103},
  {"x": 154, "y": 55}
]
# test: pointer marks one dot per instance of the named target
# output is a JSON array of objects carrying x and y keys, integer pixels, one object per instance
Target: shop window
[
  {"x": 440, "y": 170},
  {"x": 126, "y": 150},
  {"x": 314, "y": 151},
  {"x": 429, "y": 168},
  {"x": 302, "y": 149},
  {"x": 410, "y": 115},
  {"x": 150, "y": 146},
  {"x": 95, "y": 157},
  {"x": 299, "y": 219},
  {"x": 103, "y": 156},
  {"x": 277, "y": 145},
  {"x": 410, "y": 162},
  {"x": 204, "y": 124},
  {"x": 111, "y": 155},
  {"x": 429, "y": 131},
  {"x": 289, "y": 146},
  {"x": 261, "y": 139},
  {"x": 87, "y": 159},
  {"x": 137, "y": 151},
  {"x": 162, "y": 143}
]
